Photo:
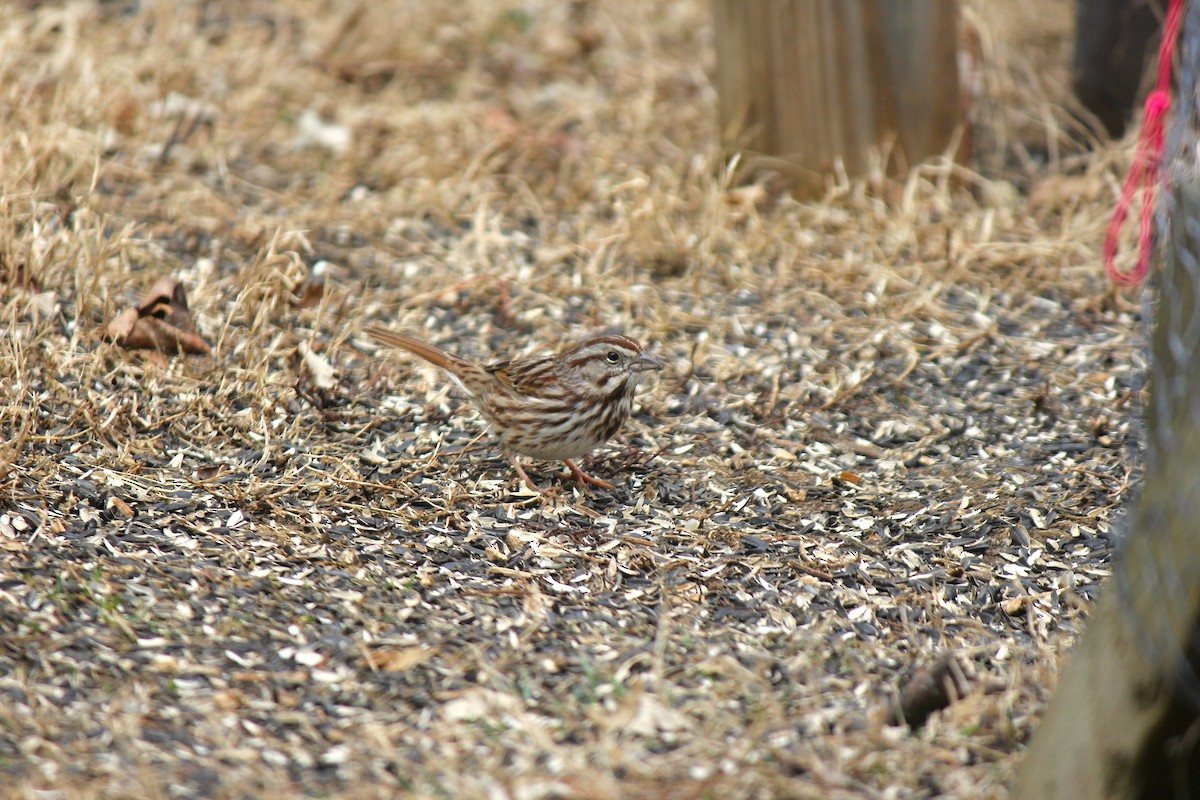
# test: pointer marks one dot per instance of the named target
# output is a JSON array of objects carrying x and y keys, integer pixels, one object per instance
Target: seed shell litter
[{"x": 893, "y": 438}]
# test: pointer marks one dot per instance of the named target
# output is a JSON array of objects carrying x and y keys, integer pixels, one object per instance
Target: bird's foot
[{"x": 583, "y": 477}]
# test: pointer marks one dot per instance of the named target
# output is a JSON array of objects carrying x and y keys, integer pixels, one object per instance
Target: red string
[{"x": 1144, "y": 169}]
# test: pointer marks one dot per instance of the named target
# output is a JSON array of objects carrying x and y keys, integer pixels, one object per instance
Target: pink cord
[{"x": 1147, "y": 157}]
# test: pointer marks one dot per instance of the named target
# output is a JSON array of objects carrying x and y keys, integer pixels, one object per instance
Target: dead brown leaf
[
  {"x": 162, "y": 322},
  {"x": 389, "y": 659},
  {"x": 309, "y": 293},
  {"x": 320, "y": 371},
  {"x": 928, "y": 690}
]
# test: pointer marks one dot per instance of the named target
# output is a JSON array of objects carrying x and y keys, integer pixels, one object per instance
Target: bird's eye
[{"x": 612, "y": 357}]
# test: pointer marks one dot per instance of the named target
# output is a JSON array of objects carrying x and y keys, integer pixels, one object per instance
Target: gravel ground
[{"x": 893, "y": 436}]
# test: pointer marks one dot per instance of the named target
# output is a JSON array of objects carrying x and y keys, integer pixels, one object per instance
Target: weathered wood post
[
  {"x": 1112, "y": 46},
  {"x": 803, "y": 84},
  {"x": 1125, "y": 721}
]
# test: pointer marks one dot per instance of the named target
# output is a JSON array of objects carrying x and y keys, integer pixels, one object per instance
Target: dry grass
[{"x": 894, "y": 422}]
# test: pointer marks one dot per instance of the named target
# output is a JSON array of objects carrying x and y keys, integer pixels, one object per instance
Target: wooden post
[
  {"x": 1124, "y": 721},
  {"x": 1113, "y": 40},
  {"x": 803, "y": 84}
]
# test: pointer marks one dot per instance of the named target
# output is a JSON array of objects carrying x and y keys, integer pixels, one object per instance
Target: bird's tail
[{"x": 434, "y": 355}]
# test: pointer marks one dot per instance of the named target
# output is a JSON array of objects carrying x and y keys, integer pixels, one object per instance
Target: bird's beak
[{"x": 644, "y": 362}]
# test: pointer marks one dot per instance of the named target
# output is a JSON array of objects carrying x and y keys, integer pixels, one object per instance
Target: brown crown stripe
[{"x": 612, "y": 340}]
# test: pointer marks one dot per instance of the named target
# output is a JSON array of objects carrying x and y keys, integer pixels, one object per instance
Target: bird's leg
[
  {"x": 583, "y": 477},
  {"x": 524, "y": 475}
]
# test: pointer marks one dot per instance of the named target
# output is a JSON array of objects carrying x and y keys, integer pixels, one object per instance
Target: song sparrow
[{"x": 553, "y": 408}]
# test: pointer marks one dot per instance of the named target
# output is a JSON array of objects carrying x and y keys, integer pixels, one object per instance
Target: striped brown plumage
[{"x": 552, "y": 408}]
